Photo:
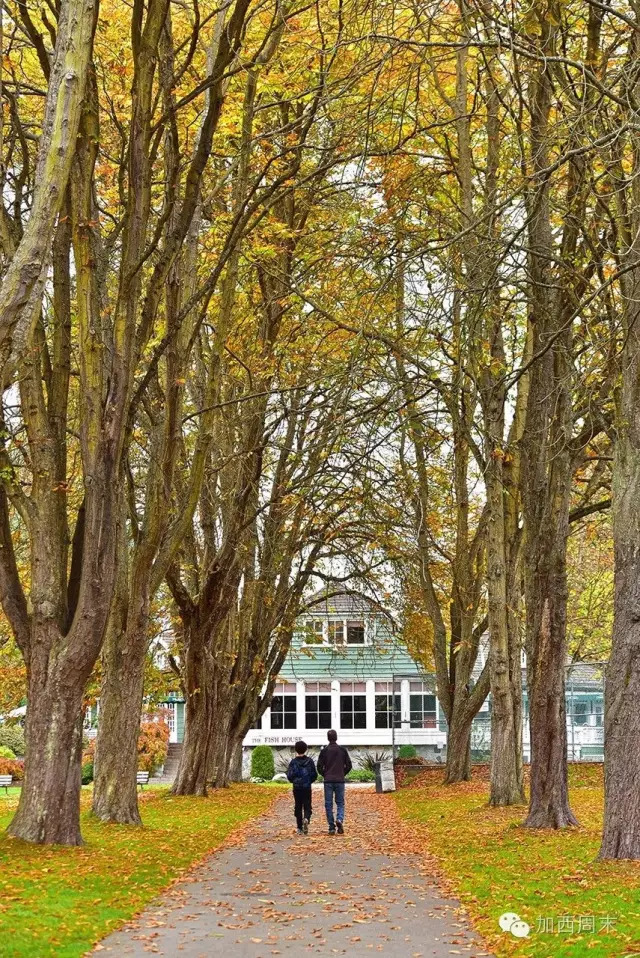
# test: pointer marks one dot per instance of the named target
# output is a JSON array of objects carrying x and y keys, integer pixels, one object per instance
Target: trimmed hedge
[
  {"x": 407, "y": 751},
  {"x": 262, "y": 763},
  {"x": 6, "y": 752},
  {"x": 87, "y": 773}
]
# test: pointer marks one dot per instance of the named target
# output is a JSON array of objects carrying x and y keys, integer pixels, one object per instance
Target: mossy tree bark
[
  {"x": 66, "y": 77},
  {"x": 550, "y": 452},
  {"x": 621, "y": 832},
  {"x": 168, "y": 504}
]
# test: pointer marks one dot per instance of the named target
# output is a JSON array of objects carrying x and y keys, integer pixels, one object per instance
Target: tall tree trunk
[
  {"x": 546, "y": 465},
  {"x": 506, "y": 762},
  {"x": 59, "y": 662},
  {"x": 221, "y": 751},
  {"x": 49, "y": 806},
  {"x": 458, "y": 768},
  {"x": 194, "y": 761},
  {"x": 235, "y": 761},
  {"x": 115, "y": 791},
  {"x": 482, "y": 302},
  {"x": 621, "y": 834},
  {"x": 194, "y": 770},
  {"x": 549, "y": 802}
]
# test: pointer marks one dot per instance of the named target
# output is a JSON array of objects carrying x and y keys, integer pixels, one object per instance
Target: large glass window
[
  {"x": 353, "y": 705},
  {"x": 580, "y": 713},
  {"x": 283, "y": 706},
  {"x": 355, "y": 633},
  {"x": 317, "y": 705},
  {"x": 589, "y": 712},
  {"x": 387, "y": 705},
  {"x": 422, "y": 706}
]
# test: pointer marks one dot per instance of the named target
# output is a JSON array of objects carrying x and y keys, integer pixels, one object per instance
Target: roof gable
[{"x": 330, "y": 602}]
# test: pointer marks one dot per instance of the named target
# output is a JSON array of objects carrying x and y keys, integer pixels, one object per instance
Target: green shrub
[
  {"x": 87, "y": 773},
  {"x": 262, "y": 763},
  {"x": 12, "y": 736},
  {"x": 407, "y": 751},
  {"x": 6, "y": 752},
  {"x": 361, "y": 775}
]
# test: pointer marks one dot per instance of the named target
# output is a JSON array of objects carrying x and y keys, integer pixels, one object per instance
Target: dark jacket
[
  {"x": 334, "y": 762},
  {"x": 302, "y": 771}
]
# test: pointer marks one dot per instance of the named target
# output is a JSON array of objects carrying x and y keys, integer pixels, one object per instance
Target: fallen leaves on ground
[
  {"x": 57, "y": 901},
  {"x": 494, "y": 865},
  {"x": 364, "y": 891}
]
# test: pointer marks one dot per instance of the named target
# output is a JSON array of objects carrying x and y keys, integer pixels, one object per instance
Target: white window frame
[
  {"x": 311, "y": 625},
  {"x": 312, "y": 622},
  {"x": 393, "y": 696},
  {"x": 283, "y": 690},
  {"x": 423, "y": 693},
  {"x": 348, "y": 689},
  {"x": 172, "y": 720},
  {"x": 313, "y": 689}
]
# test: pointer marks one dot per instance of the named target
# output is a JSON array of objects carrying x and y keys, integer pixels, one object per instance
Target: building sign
[{"x": 258, "y": 738}]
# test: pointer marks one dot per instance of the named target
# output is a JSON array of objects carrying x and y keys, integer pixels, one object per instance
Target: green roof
[{"x": 369, "y": 662}]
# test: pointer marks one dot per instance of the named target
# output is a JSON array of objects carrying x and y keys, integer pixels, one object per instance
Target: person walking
[
  {"x": 334, "y": 764},
  {"x": 302, "y": 774}
]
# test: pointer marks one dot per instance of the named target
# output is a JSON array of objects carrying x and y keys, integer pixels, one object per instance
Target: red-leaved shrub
[
  {"x": 89, "y": 753},
  {"x": 153, "y": 745},
  {"x": 12, "y": 766}
]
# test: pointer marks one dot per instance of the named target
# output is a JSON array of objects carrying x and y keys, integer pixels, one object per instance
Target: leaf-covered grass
[
  {"x": 10, "y": 794},
  {"x": 494, "y": 865},
  {"x": 57, "y": 901}
]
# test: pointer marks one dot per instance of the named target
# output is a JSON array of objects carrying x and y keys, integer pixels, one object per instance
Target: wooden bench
[
  {"x": 142, "y": 779},
  {"x": 5, "y": 782}
]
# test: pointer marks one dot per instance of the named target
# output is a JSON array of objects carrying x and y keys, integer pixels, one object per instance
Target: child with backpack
[{"x": 302, "y": 774}]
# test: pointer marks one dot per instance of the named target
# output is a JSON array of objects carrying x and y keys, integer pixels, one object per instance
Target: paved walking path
[{"x": 284, "y": 894}]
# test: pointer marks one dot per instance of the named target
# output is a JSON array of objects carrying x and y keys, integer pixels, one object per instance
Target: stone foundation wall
[{"x": 283, "y": 754}]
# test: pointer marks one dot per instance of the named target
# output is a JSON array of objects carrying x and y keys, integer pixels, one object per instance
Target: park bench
[
  {"x": 142, "y": 779},
  {"x": 5, "y": 782}
]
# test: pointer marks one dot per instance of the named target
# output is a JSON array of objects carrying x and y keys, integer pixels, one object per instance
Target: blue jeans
[{"x": 332, "y": 789}]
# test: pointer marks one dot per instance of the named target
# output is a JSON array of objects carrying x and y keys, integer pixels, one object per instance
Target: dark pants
[
  {"x": 332, "y": 789},
  {"x": 302, "y": 803}
]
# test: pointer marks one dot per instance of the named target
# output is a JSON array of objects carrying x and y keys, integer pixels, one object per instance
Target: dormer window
[
  {"x": 347, "y": 632},
  {"x": 355, "y": 633},
  {"x": 314, "y": 632},
  {"x": 336, "y": 633}
]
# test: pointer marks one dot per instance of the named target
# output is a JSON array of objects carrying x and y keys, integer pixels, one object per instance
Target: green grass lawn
[
  {"x": 57, "y": 901},
  {"x": 495, "y": 866}
]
